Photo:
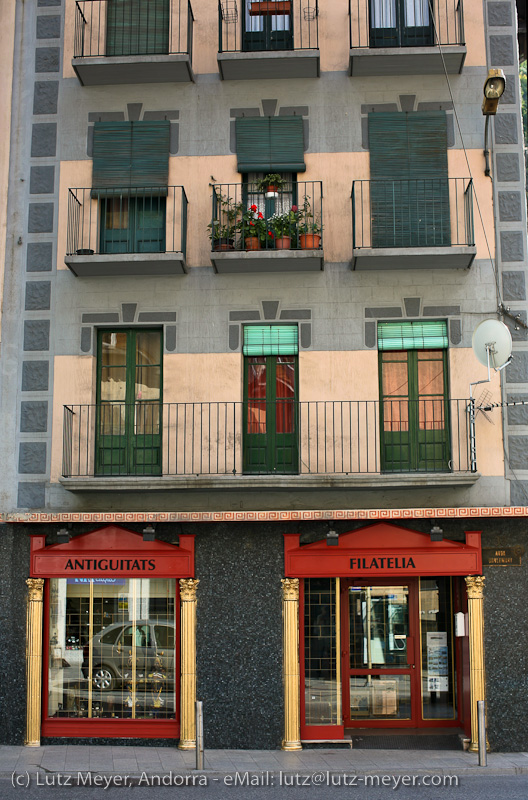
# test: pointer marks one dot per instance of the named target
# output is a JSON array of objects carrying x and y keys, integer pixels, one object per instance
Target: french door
[
  {"x": 133, "y": 224},
  {"x": 380, "y": 654},
  {"x": 128, "y": 410},
  {"x": 401, "y": 23},
  {"x": 264, "y": 30},
  {"x": 137, "y": 27},
  {"x": 271, "y": 414}
]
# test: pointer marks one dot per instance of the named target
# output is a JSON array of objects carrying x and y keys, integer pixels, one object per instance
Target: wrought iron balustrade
[
  {"x": 405, "y": 23},
  {"x": 267, "y": 25}
]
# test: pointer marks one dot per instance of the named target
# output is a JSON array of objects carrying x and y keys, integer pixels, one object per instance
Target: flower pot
[
  {"x": 252, "y": 243},
  {"x": 283, "y": 243},
  {"x": 270, "y": 7},
  {"x": 220, "y": 245},
  {"x": 84, "y": 251},
  {"x": 310, "y": 241},
  {"x": 271, "y": 191}
]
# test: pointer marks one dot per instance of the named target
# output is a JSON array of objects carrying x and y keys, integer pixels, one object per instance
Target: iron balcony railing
[
  {"x": 265, "y": 25},
  {"x": 127, "y": 220},
  {"x": 248, "y": 217},
  {"x": 133, "y": 28},
  {"x": 428, "y": 212},
  {"x": 232, "y": 438},
  {"x": 414, "y": 23}
]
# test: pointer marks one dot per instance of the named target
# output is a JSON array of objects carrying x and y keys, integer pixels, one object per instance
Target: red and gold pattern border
[{"x": 267, "y": 516}]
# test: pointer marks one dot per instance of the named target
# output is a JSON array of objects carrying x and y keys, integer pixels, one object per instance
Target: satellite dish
[{"x": 492, "y": 337}]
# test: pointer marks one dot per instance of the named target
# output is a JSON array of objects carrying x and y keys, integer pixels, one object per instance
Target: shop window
[
  {"x": 437, "y": 649},
  {"x": 112, "y": 650},
  {"x": 322, "y": 696}
]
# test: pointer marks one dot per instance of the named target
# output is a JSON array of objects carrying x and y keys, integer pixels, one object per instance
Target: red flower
[
  {"x": 251, "y": 223},
  {"x": 270, "y": 234},
  {"x": 295, "y": 208},
  {"x": 253, "y": 208},
  {"x": 261, "y": 215}
]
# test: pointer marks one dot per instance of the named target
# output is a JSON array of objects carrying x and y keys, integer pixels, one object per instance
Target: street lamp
[{"x": 493, "y": 91}]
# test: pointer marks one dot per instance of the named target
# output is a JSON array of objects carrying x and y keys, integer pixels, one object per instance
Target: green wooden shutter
[
  {"x": 270, "y": 144},
  {"x": 430, "y": 335},
  {"x": 137, "y": 27},
  {"x": 130, "y": 154},
  {"x": 150, "y": 153},
  {"x": 271, "y": 340}
]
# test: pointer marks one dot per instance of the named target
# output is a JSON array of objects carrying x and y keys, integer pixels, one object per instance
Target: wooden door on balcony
[
  {"x": 133, "y": 224},
  {"x": 400, "y": 23},
  {"x": 265, "y": 30},
  {"x": 137, "y": 27},
  {"x": 271, "y": 415},
  {"x": 409, "y": 187},
  {"x": 414, "y": 420},
  {"x": 128, "y": 411}
]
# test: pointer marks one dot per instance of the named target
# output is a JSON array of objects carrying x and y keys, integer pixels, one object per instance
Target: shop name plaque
[{"x": 502, "y": 556}]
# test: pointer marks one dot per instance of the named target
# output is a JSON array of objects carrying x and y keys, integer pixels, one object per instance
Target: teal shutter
[
  {"x": 270, "y": 144},
  {"x": 130, "y": 154},
  {"x": 137, "y": 27},
  {"x": 271, "y": 340},
  {"x": 430, "y": 335}
]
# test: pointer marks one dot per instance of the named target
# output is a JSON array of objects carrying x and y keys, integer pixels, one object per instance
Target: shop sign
[{"x": 502, "y": 556}]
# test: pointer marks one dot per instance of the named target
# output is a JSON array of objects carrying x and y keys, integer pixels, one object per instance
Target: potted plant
[
  {"x": 284, "y": 226},
  {"x": 253, "y": 228},
  {"x": 309, "y": 228},
  {"x": 222, "y": 229},
  {"x": 270, "y": 184}
]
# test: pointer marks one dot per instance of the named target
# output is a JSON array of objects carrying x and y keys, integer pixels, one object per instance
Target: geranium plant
[
  {"x": 285, "y": 224},
  {"x": 252, "y": 224}
]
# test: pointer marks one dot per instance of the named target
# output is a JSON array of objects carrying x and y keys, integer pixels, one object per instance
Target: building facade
[{"x": 247, "y": 245}]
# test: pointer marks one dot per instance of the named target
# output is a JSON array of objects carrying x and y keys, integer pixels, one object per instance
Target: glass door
[
  {"x": 268, "y": 25},
  {"x": 380, "y": 655},
  {"x": 400, "y": 23}
]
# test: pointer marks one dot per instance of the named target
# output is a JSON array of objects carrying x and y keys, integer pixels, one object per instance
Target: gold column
[
  {"x": 188, "y": 663},
  {"x": 34, "y": 660},
  {"x": 477, "y": 681},
  {"x": 290, "y": 633}
]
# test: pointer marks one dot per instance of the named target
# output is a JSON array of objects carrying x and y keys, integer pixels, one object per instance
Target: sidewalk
[{"x": 135, "y": 761}]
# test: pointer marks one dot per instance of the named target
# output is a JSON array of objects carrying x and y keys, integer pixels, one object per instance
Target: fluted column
[
  {"x": 477, "y": 678},
  {"x": 188, "y": 663},
  {"x": 290, "y": 638},
  {"x": 34, "y": 661}
]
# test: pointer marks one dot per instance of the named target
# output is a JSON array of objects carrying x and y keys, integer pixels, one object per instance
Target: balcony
[
  {"x": 132, "y": 231},
  {"x": 268, "y": 39},
  {"x": 287, "y": 222},
  {"x": 226, "y": 445},
  {"x": 133, "y": 41},
  {"x": 406, "y": 37},
  {"x": 413, "y": 224}
]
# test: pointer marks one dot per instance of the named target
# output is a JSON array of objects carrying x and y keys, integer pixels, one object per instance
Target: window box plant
[
  {"x": 285, "y": 228},
  {"x": 254, "y": 229},
  {"x": 310, "y": 228},
  {"x": 270, "y": 184},
  {"x": 222, "y": 229}
]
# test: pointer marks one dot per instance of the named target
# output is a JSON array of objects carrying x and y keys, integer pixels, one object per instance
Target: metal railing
[
  {"x": 127, "y": 220},
  {"x": 132, "y": 28},
  {"x": 428, "y": 212},
  {"x": 416, "y": 23},
  {"x": 264, "y": 25},
  {"x": 229, "y": 438},
  {"x": 286, "y": 217}
]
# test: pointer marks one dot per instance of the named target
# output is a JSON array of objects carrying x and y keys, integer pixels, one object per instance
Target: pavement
[{"x": 135, "y": 761}]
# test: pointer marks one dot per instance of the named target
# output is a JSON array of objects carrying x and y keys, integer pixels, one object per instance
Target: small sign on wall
[{"x": 502, "y": 556}]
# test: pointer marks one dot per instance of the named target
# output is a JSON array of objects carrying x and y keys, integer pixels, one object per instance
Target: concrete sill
[
  {"x": 236, "y": 483},
  {"x": 238, "y": 261},
  {"x": 114, "y": 70},
  {"x": 406, "y": 60},
  {"x": 121, "y": 264},
  {"x": 456, "y": 257},
  {"x": 260, "y": 64}
]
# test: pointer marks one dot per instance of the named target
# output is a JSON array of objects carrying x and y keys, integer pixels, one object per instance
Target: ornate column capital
[
  {"x": 188, "y": 588},
  {"x": 475, "y": 587},
  {"x": 290, "y": 588},
  {"x": 35, "y": 589}
]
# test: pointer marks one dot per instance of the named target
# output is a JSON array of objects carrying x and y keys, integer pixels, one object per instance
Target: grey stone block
[
  {"x": 174, "y": 138},
  {"x": 412, "y": 306},
  {"x": 44, "y": 3},
  {"x": 499, "y": 14},
  {"x": 519, "y": 493},
  {"x": 506, "y": 129},
  {"x": 305, "y": 335},
  {"x": 39, "y": 257},
  {"x": 40, "y": 218},
  {"x": 379, "y": 108},
  {"x": 244, "y": 112},
  {"x": 510, "y": 91},
  {"x": 106, "y": 116},
  {"x": 512, "y": 248},
  {"x": 514, "y": 285},
  {"x": 508, "y": 169},
  {"x": 36, "y": 334},
  {"x": 270, "y": 308},
  {"x": 510, "y": 207},
  {"x": 157, "y": 316},
  {"x": 450, "y": 125},
  {"x": 86, "y": 340},
  {"x": 31, "y": 495},
  {"x": 244, "y": 316},
  {"x": 38, "y": 295},
  {"x": 291, "y": 111},
  {"x": 128, "y": 311},
  {"x": 48, "y": 26},
  {"x": 517, "y": 371},
  {"x": 234, "y": 337},
  {"x": 42, "y": 180},
  {"x": 387, "y": 311},
  {"x": 32, "y": 458},
  {"x": 441, "y": 311},
  {"x": 296, "y": 313},
  {"x": 100, "y": 318},
  {"x": 518, "y": 452},
  {"x": 170, "y": 338},
  {"x": 47, "y": 59},
  {"x": 134, "y": 111},
  {"x": 43, "y": 139},
  {"x": 407, "y": 102},
  {"x": 35, "y": 376},
  {"x": 455, "y": 331},
  {"x": 148, "y": 115},
  {"x": 269, "y": 107},
  {"x": 501, "y": 51},
  {"x": 444, "y": 105},
  {"x": 370, "y": 334},
  {"x": 34, "y": 416},
  {"x": 364, "y": 133},
  {"x": 518, "y": 415},
  {"x": 45, "y": 97}
]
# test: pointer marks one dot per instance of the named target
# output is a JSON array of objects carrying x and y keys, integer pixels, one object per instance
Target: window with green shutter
[
  {"x": 409, "y": 188},
  {"x": 270, "y": 144},
  {"x": 137, "y": 27}
]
